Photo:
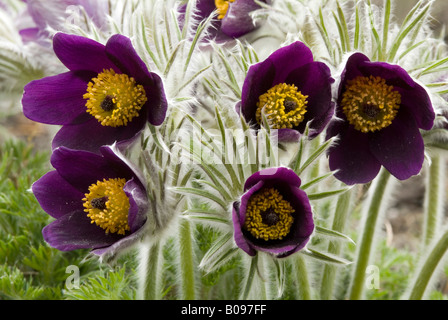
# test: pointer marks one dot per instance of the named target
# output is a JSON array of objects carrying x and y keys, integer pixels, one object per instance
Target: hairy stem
[
  {"x": 434, "y": 199},
  {"x": 427, "y": 270},
  {"x": 149, "y": 266},
  {"x": 186, "y": 257},
  {"x": 371, "y": 223},
  {"x": 303, "y": 282},
  {"x": 339, "y": 221}
]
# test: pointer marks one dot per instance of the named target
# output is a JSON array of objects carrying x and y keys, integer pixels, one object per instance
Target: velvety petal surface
[
  {"x": 351, "y": 155},
  {"x": 56, "y": 196},
  {"x": 57, "y": 99},
  {"x": 399, "y": 147},
  {"x": 75, "y": 231},
  {"x": 91, "y": 135},
  {"x": 280, "y": 175},
  {"x": 81, "y": 168},
  {"x": 80, "y": 53},
  {"x": 238, "y": 21}
]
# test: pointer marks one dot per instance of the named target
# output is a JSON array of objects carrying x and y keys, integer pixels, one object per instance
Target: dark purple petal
[
  {"x": 91, "y": 135},
  {"x": 314, "y": 80},
  {"x": 75, "y": 231},
  {"x": 57, "y": 99},
  {"x": 258, "y": 81},
  {"x": 399, "y": 147},
  {"x": 280, "y": 175},
  {"x": 286, "y": 135},
  {"x": 82, "y": 169},
  {"x": 81, "y": 53},
  {"x": 351, "y": 155},
  {"x": 56, "y": 196},
  {"x": 138, "y": 204},
  {"x": 238, "y": 21},
  {"x": 119, "y": 49},
  {"x": 289, "y": 58},
  {"x": 240, "y": 239}
]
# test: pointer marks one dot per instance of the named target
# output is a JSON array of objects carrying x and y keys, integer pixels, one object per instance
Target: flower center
[
  {"x": 114, "y": 99},
  {"x": 108, "y": 206},
  {"x": 283, "y": 105},
  {"x": 369, "y": 103},
  {"x": 222, "y": 6},
  {"x": 268, "y": 215}
]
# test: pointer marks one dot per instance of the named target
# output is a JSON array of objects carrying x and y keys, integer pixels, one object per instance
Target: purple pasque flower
[
  {"x": 99, "y": 201},
  {"x": 273, "y": 215},
  {"x": 53, "y": 13},
  {"x": 291, "y": 89},
  {"x": 380, "y": 111},
  {"x": 233, "y": 18},
  {"x": 107, "y": 95}
]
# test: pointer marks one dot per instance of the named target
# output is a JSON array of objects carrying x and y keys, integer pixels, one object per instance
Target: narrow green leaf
[
  {"x": 322, "y": 195},
  {"x": 316, "y": 155},
  {"x": 333, "y": 233},
  {"x": 325, "y": 257},
  {"x": 203, "y": 194}
]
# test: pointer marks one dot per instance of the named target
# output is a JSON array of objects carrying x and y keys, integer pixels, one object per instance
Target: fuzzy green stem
[
  {"x": 428, "y": 268},
  {"x": 303, "y": 282},
  {"x": 186, "y": 257},
  {"x": 250, "y": 278},
  {"x": 339, "y": 221},
  {"x": 365, "y": 246},
  {"x": 434, "y": 199},
  {"x": 150, "y": 284}
]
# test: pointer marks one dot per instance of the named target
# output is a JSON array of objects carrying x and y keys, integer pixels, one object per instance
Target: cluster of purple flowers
[{"x": 108, "y": 96}]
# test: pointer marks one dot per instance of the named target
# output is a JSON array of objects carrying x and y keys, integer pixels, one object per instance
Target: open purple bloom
[
  {"x": 99, "y": 201},
  {"x": 107, "y": 96},
  {"x": 53, "y": 13},
  {"x": 233, "y": 18},
  {"x": 274, "y": 215},
  {"x": 380, "y": 111},
  {"x": 291, "y": 89}
]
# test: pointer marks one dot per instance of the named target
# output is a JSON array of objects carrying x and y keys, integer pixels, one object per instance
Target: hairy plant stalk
[
  {"x": 427, "y": 269},
  {"x": 434, "y": 199},
  {"x": 186, "y": 263},
  {"x": 149, "y": 266},
  {"x": 334, "y": 247},
  {"x": 302, "y": 276},
  {"x": 375, "y": 206}
]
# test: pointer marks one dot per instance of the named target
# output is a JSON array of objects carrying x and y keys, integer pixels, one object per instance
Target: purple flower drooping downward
[
  {"x": 273, "y": 215},
  {"x": 107, "y": 96},
  {"x": 233, "y": 18},
  {"x": 99, "y": 201},
  {"x": 291, "y": 89},
  {"x": 380, "y": 111}
]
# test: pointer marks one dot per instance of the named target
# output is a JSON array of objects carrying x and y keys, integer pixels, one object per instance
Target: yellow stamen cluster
[
  {"x": 108, "y": 206},
  {"x": 222, "y": 6},
  {"x": 114, "y": 99},
  {"x": 369, "y": 103},
  {"x": 268, "y": 201},
  {"x": 276, "y": 105}
]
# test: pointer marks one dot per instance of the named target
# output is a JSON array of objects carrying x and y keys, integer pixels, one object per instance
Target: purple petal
[
  {"x": 258, "y": 81},
  {"x": 280, "y": 175},
  {"x": 81, "y": 53},
  {"x": 57, "y": 99},
  {"x": 239, "y": 237},
  {"x": 399, "y": 147},
  {"x": 238, "y": 21},
  {"x": 56, "y": 196},
  {"x": 314, "y": 80},
  {"x": 138, "y": 204},
  {"x": 119, "y": 49},
  {"x": 351, "y": 155},
  {"x": 91, "y": 135},
  {"x": 75, "y": 231},
  {"x": 81, "y": 168}
]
